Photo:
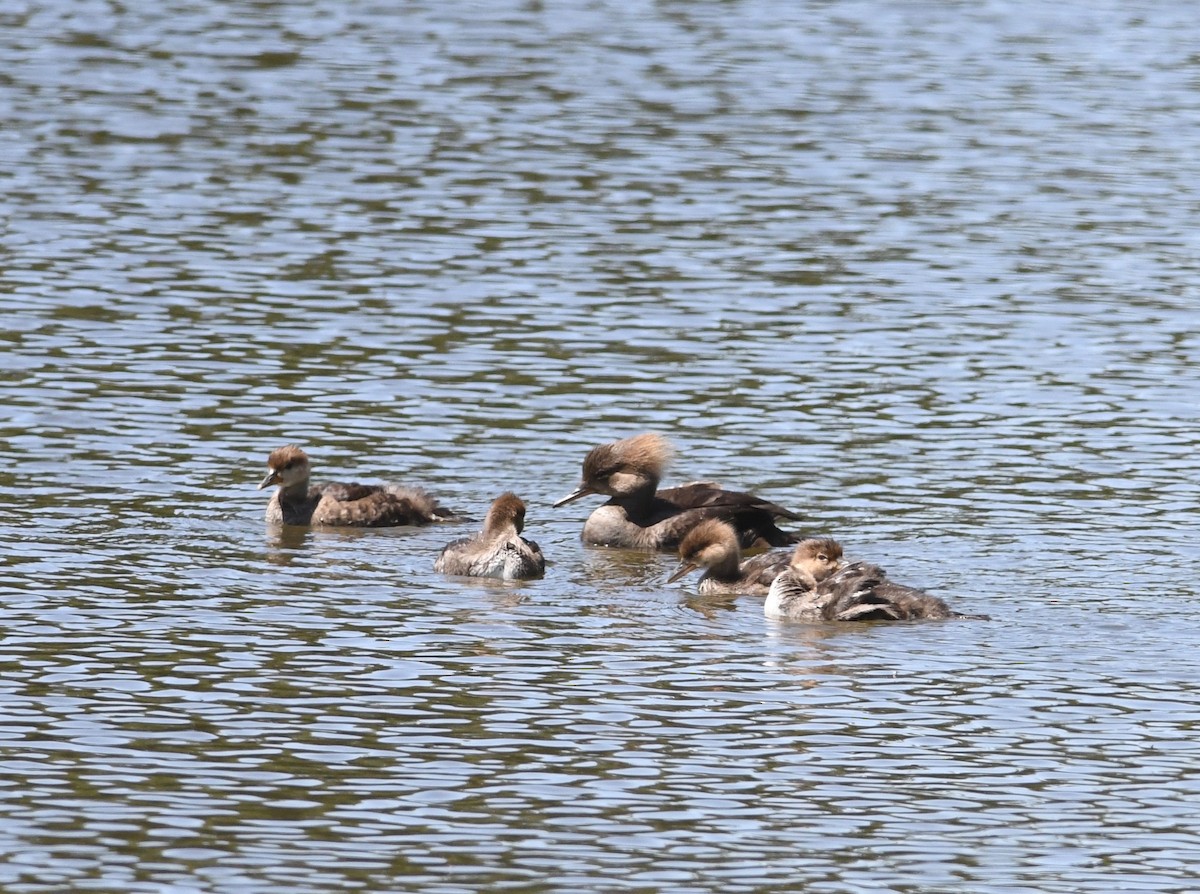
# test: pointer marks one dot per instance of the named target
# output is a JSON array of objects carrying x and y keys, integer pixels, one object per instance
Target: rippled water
[{"x": 926, "y": 273}]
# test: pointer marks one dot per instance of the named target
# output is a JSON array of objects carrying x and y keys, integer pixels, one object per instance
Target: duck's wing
[
  {"x": 347, "y": 493},
  {"x": 765, "y": 567},
  {"x": 847, "y": 596},
  {"x": 534, "y": 551},
  {"x": 850, "y": 593},
  {"x": 710, "y": 495},
  {"x": 371, "y": 506},
  {"x": 853, "y": 578},
  {"x": 793, "y": 597},
  {"x": 910, "y": 603},
  {"x": 455, "y": 557},
  {"x": 862, "y": 592},
  {"x": 531, "y": 561},
  {"x": 424, "y": 504},
  {"x": 751, "y": 515}
]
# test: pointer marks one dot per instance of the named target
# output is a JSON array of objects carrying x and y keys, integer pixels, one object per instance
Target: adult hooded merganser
[
  {"x": 814, "y": 589},
  {"x": 713, "y": 546},
  {"x": 498, "y": 550},
  {"x": 641, "y": 516},
  {"x": 341, "y": 505}
]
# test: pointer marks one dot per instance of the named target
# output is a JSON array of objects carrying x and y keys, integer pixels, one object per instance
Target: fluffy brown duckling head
[
  {"x": 818, "y": 556},
  {"x": 507, "y": 511},
  {"x": 623, "y": 467},
  {"x": 711, "y": 544},
  {"x": 286, "y": 466}
]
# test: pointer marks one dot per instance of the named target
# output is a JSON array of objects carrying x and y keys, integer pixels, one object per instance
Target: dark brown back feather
[
  {"x": 765, "y": 567},
  {"x": 751, "y": 516},
  {"x": 862, "y": 592},
  {"x": 373, "y": 506}
]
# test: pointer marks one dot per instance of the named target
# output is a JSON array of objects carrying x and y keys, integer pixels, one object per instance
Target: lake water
[{"x": 925, "y": 272}]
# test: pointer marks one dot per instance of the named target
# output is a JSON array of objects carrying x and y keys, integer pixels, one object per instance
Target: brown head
[
  {"x": 508, "y": 511},
  {"x": 819, "y": 556},
  {"x": 623, "y": 467},
  {"x": 712, "y": 545},
  {"x": 287, "y": 466}
]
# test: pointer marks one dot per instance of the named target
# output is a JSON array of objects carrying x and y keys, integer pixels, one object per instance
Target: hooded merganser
[
  {"x": 640, "y": 516},
  {"x": 498, "y": 550},
  {"x": 814, "y": 588},
  {"x": 713, "y": 546},
  {"x": 341, "y": 505}
]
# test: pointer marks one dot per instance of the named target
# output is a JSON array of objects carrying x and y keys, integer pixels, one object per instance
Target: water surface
[{"x": 925, "y": 274}]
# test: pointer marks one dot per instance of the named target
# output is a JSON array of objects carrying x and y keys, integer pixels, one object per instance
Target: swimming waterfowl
[
  {"x": 341, "y": 505},
  {"x": 713, "y": 546},
  {"x": 813, "y": 589},
  {"x": 640, "y": 516},
  {"x": 498, "y": 550}
]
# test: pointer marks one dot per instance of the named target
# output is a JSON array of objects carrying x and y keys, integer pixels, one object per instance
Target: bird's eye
[{"x": 823, "y": 557}]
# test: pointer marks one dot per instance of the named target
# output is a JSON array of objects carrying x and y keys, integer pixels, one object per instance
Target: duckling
[
  {"x": 498, "y": 550},
  {"x": 638, "y": 515},
  {"x": 713, "y": 546},
  {"x": 813, "y": 588},
  {"x": 341, "y": 505}
]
